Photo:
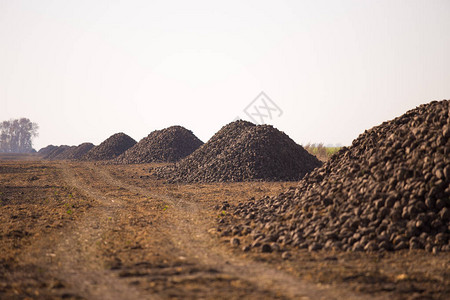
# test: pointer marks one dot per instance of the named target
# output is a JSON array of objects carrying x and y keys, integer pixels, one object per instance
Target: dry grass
[{"x": 320, "y": 151}]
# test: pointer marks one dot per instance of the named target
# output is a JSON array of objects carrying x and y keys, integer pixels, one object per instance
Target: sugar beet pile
[
  {"x": 110, "y": 148},
  {"x": 167, "y": 145},
  {"x": 65, "y": 152},
  {"x": 388, "y": 191},
  {"x": 242, "y": 151},
  {"x": 53, "y": 152},
  {"x": 76, "y": 152},
  {"x": 46, "y": 150}
]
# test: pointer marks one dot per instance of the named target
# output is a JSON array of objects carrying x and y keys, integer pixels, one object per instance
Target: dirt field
[{"x": 91, "y": 231}]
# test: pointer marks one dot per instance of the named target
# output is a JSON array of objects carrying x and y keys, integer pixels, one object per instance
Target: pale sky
[{"x": 84, "y": 70}]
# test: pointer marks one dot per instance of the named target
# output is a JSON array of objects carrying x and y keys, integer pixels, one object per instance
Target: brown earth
[{"x": 77, "y": 230}]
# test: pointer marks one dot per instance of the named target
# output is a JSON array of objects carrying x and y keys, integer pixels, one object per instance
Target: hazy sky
[{"x": 84, "y": 70}]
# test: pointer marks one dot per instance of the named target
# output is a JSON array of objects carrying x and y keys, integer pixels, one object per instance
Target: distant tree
[{"x": 16, "y": 135}]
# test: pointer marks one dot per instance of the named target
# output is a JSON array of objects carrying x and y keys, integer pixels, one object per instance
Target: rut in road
[
  {"x": 115, "y": 202},
  {"x": 188, "y": 230},
  {"x": 84, "y": 264},
  {"x": 72, "y": 254}
]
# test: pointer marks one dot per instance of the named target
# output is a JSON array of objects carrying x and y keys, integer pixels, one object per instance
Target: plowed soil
[{"x": 79, "y": 230}]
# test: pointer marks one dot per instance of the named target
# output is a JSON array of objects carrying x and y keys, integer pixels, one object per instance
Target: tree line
[{"x": 16, "y": 135}]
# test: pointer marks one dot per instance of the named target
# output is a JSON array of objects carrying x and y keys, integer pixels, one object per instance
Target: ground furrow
[{"x": 76, "y": 254}]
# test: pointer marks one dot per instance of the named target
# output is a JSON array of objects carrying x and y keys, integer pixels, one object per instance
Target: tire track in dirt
[
  {"x": 75, "y": 255},
  {"x": 179, "y": 278},
  {"x": 188, "y": 230}
]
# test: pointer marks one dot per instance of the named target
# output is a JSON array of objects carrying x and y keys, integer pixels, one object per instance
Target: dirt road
[{"x": 86, "y": 231}]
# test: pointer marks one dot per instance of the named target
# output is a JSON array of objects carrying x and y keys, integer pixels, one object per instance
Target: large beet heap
[
  {"x": 52, "y": 152},
  {"x": 110, "y": 148},
  {"x": 47, "y": 150},
  {"x": 76, "y": 152},
  {"x": 242, "y": 151},
  {"x": 388, "y": 191},
  {"x": 167, "y": 145},
  {"x": 65, "y": 152}
]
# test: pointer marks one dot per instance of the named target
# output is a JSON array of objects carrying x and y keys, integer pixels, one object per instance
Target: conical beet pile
[
  {"x": 389, "y": 191},
  {"x": 55, "y": 152},
  {"x": 66, "y": 150},
  {"x": 76, "y": 152},
  {"x": 242, "y": 151},
  {"x": 167, "y": 145},
  {"x": 46, "y": 150},
  {"x": 110, "y": 148}
]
